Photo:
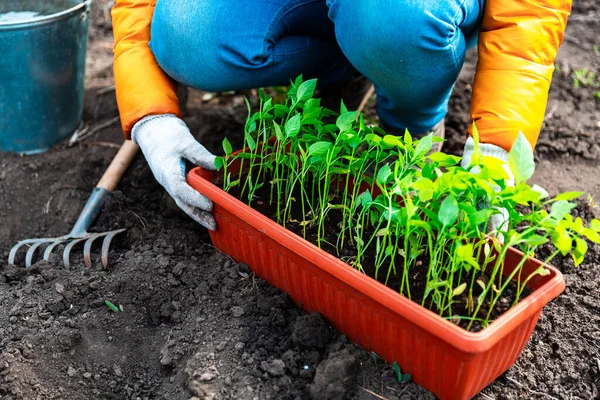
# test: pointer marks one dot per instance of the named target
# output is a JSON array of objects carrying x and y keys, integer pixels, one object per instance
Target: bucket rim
[{"x": 46, "y": 19}]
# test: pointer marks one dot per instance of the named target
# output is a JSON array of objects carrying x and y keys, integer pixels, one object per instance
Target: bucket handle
[{"x": 88, "y": 7}]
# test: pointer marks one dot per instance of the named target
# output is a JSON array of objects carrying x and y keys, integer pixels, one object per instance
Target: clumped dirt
[{"x": 196, "y": 324}]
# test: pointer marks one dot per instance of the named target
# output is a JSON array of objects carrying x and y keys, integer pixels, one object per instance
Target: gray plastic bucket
[{"x": 42, "y": 65}]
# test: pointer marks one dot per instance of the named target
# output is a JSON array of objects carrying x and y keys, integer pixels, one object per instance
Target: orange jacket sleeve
[
  {"x": 142, "y": 86},
  {"x": 518, "y": 43}
]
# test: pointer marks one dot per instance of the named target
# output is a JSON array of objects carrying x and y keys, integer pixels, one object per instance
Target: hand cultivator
[{"x": 79, "y": 233}]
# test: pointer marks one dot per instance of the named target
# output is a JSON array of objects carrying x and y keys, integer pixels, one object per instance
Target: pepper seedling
[{"x": 399, "y": 209}]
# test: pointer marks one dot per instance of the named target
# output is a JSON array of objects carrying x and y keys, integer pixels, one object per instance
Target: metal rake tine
[
  {"x": 16, "y": 247},
  {"x": 49, "y": 249},
  {"x": 67, "y": 252},
  {"x": 106, "y": 244},
  {"x": 31, "y": 252},
  {"x": 87, "y": 248},
  {"x": 13, "y": 253}
]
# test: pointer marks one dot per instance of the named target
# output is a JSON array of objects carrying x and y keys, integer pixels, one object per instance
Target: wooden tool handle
[
  {"x": 118, "y": 166},
  {"x": 365, "y": 100}
]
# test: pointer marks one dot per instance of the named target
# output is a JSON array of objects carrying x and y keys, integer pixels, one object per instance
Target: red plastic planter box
[{"x": 444, "y": 358}]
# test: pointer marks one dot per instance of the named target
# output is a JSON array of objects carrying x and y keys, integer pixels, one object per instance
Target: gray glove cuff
[
  {"x": 154, "y": 123},
  {"x": 486, "y": 150}
]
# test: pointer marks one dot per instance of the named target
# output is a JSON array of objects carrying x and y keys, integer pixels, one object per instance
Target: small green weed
[
  {"x": 583, "y": 78},
  {"x": 586, "y": 78},
  {"x": 402, "y": 378},
  {"x": 113, "y": 307}
]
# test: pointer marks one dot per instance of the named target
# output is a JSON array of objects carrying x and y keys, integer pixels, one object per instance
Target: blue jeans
[{"x": 412, "y": 50}]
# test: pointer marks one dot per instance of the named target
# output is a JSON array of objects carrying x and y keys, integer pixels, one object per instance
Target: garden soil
[{"x": 196, "y": 324}]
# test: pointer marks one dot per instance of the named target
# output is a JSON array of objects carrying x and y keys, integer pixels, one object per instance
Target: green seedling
[
  {"x": 585, "y": 78},
  {"x": 401, "y": 209},
  {"x": 402, "y": 378},
  {"x": 113, "y": 307}
]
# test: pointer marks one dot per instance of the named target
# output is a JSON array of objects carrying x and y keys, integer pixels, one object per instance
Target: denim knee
[
  {"x": 406, "y": 34},
  {"x": 412, "y": 50},
  {"x": 188, "y": 43}
]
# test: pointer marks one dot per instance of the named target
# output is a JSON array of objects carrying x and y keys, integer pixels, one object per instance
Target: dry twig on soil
[
  {"x": 372, "y": 393},
  {"x": 84, "y": 133},
  {"x": 104, "y": 144},
  {"x": 365, "y": 99},
  {"x": 519, "y": 384}
]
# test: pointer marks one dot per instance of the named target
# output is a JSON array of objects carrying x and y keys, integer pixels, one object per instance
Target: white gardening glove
[
  {"x": 497, "y": 220},
  {"x": 165, "y": 141}
]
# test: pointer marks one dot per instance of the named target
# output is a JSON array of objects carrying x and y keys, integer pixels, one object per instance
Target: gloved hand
[
  {"x": 497, "y": 220},
  {"x": 165, "y": 141}
]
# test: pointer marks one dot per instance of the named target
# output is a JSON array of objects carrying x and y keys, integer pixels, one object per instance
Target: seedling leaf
[
  {"x": 543, "y": 193},
  {"x": 475, "y": 134},
  {"x": 424, "y": 145},
  {"x": 520, "y": 159},
  {"x": 481, "y": 284},
  {"x": 425, "y": 188},
  {"x": 383, "y": 174},
  {"x": 354, "y": 141},
  {"x": 560, "y": 209},
  {"x": 526, "y": 195},
  {"x": 381, "y": 232},
  {"x": 398, "y": 371},
  {"x": 280, "y": 110},
  {"x": 344, "y": 122},
  {"x": 465, "y": 251},
  {"x": 343, "y": 108},
  {"x": 581, "y": 248},
  {"x": 444, "y": 160},
  {"x": 219, "y": 162},
  {"x": 112, "y": 307},
  {"x": 402, "y": 378},
  {"x": 431, "y": 285},
  {"x": 278, "y": 133},
  {"x": 459, "y": 289},
  {"x": 592, "y": 235},
  {"x": 448, "y": 211},
  {"x": 408, "y": 141},
  {"x": 535, "y": 240},
  {"x": 563, "y": 242},
  {"x": 392, "y": 141},
  {"x": 292, "y": 126},
  {"x": 578, "y": 225},
  {"x": 359, "y": 241},
  {"x": 312, "y": 103},
  {"x": 373, "y": 138},
  {"x": 495, "y": 167},
  {"x": 319, "y": 149},
  {"x": 568, "y": 196},
  {"x": 306, "y": 90},
  {"x": 365, "y": 198},
  {"x": 227, "y": 147},
  {"x": 251, "y": 142}
]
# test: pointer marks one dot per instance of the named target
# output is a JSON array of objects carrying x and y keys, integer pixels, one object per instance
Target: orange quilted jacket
[{"x": 518, "y": 43}]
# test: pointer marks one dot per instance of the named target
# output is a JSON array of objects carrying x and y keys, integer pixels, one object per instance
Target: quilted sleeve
[
  {"x": 518, "y": 43},
  {"x": 141, "y": 85}
]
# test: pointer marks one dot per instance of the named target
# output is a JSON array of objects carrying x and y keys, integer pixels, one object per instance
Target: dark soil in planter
[
  {"x": 193, "y": 325},
  {"x": 418, "y": 281}
]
